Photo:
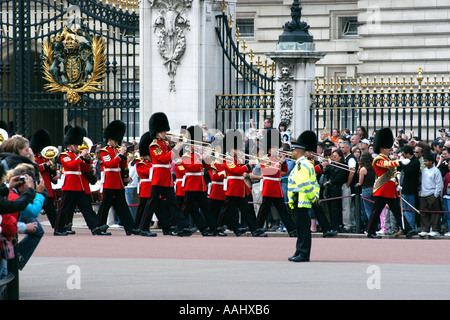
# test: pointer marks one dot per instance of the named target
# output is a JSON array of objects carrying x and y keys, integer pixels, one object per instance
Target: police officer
[{"x": 303, "y": 192}]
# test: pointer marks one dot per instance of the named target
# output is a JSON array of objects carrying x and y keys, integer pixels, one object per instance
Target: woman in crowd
[
  {"x": 366, "y": 181},
  {"x": 335, "y": 178}
]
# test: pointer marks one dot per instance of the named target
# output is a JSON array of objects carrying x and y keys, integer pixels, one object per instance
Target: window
[
  {"x": 246, "y": 27},
  {"x": 349, "y": 26}
]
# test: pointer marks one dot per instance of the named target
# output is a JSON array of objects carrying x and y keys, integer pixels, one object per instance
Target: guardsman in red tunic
[
  {"x": 272, "y": 192},
  {"x": 216, "y": 192},
  {"x": 113, "y": 162},
  {"x": 196, "y": 202},
  {"x": 40, "y": 140},
  {"x": 75, "y": 190},
  {"x": 235, "y": 188},
  {"x": 162, "y": 154},
  {"x": 179, "y": 178},
  {"x": 385, "y": 187},
  {"x": 143, "y": 169}
]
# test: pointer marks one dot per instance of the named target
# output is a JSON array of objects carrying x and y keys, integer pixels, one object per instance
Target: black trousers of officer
[
  {"x": 394, "y": 206},
  {"x": 230, "y": 213},
  {"x": 281, "y": 207},
  {"x": 303, "y": 224},
  {"x": 70, "y": 200},
  {"x": 116, "y": 199},
  {"x": 157, "y": 195},
  {"x": 195, "y": 200}
]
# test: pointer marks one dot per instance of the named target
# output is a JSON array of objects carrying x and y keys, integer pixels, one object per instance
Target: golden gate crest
[{"x": 74, "y": 63}]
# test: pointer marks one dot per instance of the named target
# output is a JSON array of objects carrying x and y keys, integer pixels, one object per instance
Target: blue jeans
[
  {"x": 130, "y": 196},
  {"x": 408, "y": 212},
  {"x": 30, "y": 242},
  {"x": 446, "y": 200},
  {"x": 367, "y": 205}
]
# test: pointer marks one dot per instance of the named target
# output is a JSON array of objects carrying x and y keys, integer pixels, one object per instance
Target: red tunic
[
  {"x": 179, "y": 174},
  {"x": 42, "y": 162},
  {"x": 162, "y": 156},
  {"x": 194, "y": 178},
  {"x": 143, "y": 168},
  {"x": 217, "y": 175},
  {"x": 73, "y": 171},
  {"x": 112, "y": 164},
  {"x": 382, "y": 164},
  {"x": 235, "y": 185},
  {"x": 271, "y": 171}
]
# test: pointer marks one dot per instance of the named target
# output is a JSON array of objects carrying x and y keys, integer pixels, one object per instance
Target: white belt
[
  {"x": 194, "y": 173},
  {"x": 261, "y": 184},
  {"x": 217, "y": 182},
  {"x": 161, "y": 166},
  {"x": 146, "y": 180},
  {"x": 73, "y": 172},
  {"x": 112, "y": 169},
  {"x": 225, "y": 186},
  {"x": 273, "y": 179},
  {"x": 213, "y": 182},
  {"x": 168, "y": 166}
]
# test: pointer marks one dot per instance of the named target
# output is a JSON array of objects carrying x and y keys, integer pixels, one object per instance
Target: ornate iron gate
[
  {"x": 247, "y": 93},
  {"x": 24, "y": 104}
]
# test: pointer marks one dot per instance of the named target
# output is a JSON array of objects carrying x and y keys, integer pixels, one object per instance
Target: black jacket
[{"x": 411, "y": 177}]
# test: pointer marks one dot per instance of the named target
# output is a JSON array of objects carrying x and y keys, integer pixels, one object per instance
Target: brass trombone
[{"x": 339, "y": 165}]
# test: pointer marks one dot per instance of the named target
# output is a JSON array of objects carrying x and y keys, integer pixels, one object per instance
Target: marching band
[{"x": 189, "y": 185}]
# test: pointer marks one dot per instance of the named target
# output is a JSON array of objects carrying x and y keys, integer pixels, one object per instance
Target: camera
[{"x": 22, "y": 179}]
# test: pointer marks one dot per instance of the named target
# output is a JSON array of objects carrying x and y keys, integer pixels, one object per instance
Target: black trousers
[
  {"x": 115, "y": 198},
  {"x": 230, "y": 214},
  {"x": 216, "y": 208},
  {"x": 394, "y": 206},
  {"x": 281, "y": 207},
  {"x": 303, "y": 224},
  {"x": 50, "y": 211},
  {"x": 161, "y": 207},
  {"x": 70, "y": 200},
  {"x": 196, "y": 205},
  {"x": 321, "y": 217},
  {"x": 157, "y": 195}
]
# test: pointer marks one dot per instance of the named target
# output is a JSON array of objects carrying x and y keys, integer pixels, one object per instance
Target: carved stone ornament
[
  {"x": 169, "y": 28},
  {"x": 286, "y": 103},
  {"x": 286, "y": 71}
]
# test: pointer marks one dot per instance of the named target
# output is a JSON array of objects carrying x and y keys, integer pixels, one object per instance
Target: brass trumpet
[{"x": 3, "y": 136}]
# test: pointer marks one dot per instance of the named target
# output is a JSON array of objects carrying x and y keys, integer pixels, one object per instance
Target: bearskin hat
[
  {"x": 39, "y": 140},
  {"x": 271, "y": 139},
  {"x": 307, "y": 140},
  {"x": 115, "y": 131},
  {"x": 195, "y": 134},
  {"x": 233, "y": 139},
  {"x": 158, "y": 122},
  {"x": 144, "y": 144},
  {"x": 74, "y": 135},
  {"x": 384, "y": 138}
]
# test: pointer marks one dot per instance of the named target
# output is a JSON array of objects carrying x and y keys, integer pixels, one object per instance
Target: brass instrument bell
[
  {"x": 50, "y": 152},
  {"x": 3, "y": 136}
]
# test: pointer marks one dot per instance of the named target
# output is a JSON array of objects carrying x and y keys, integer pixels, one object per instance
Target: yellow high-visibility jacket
[{"x": 302, "y": 180}]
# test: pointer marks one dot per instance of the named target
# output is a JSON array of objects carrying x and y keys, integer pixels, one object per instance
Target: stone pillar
[
  {"x": 180, "y": 60},
  {"x": 295, "y": 58}
]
